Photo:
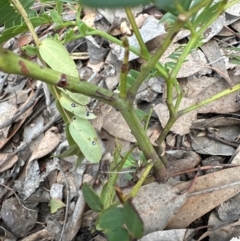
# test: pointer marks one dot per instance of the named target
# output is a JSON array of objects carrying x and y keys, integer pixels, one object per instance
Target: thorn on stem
[
  {"x": 63, "y": 81},
  {"x": 23, "y": 67}
]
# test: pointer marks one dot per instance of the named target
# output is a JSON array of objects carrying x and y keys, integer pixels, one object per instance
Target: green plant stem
[
  {"x": 128, "y": 113},
  {"x": 170, "y": 83},
  {"x": 174, "y": 115},
  {"x": 231, "y": 3},
  {"x": 23, "y": 13},
  {"x": 92, "y": 31},
  {"x": 147, "y": 67},
  {"x": 148, "y": 119},
  {"x": 124, "y": 70},
  {"x": 196, "y": 35},
  {"x": 140, "y": 182},
  {"x": 131, "y": 19},
  {"x": 12, "y": 63},
  {"x": 209, "y": 100},
  {"x": 134, "y": 50}
]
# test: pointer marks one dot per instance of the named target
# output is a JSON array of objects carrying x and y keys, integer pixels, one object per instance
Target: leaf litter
[{"x": 201, "y": 141}]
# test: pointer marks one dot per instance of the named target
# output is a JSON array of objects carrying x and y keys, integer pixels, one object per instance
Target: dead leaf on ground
[
  {"x": 208, "y": 192},
  {"x": 226, "y": 104},
  {"x": 48, "y": 143},
  {"x": 6, "y": 163},
  {"x": 89, "y": 19},
  {"x": 214, "y": 56},
  {"x": 157, "y": 204},
  {"x": 193, "y": 64},
  {"x": 183, "y": 124},
  {"x": 209, "y": 146},
  {"x": 115, "y": 125},
  {"x": 220, "y": 230},
  {"x": 168, "y": 235},
  {"x": 6, "y": 112}
]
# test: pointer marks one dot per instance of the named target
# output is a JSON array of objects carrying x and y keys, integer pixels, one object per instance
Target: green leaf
[
  {"x": 70, "y": 140},
  {"x": 29, "y": 50},
  {"x": 132, "y": 220},
  {"x": 69, "y": 34},
  {"x": 134, "y": 73},
  {"x": 79, "y": 161},
  {"x": 56, "y": 17},
  {"x": 15, "y": 30},
  {"x": 170, "y": 5},
  {"x": 82, "y": 27},
  {"x": 140, "y": 114},
  {"x": 117, "y": 234},
  {"x": 10, "y": 17},
  {"x": 85, "y": 136},
  {"x": 92, "y": 199},
  {"x": 111, "y": 218},
  {"x": 57, "y": 57},
  {"x": 59, "y": 6},
  {"x": 130, "y": 162},
  {"x": 75, "y": 108},
  {"x": 72, "y": 150},
  {"x": 80, "y": 99},
  {"x": 205, "y": 14},
  {"x": 55, "y": 204}
]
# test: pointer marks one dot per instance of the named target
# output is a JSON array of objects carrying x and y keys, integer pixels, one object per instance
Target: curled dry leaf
[
  {"x": 5, "y": 164},
  {"x": 48, "y": 143},
  {"x": 209, "y": 191}
]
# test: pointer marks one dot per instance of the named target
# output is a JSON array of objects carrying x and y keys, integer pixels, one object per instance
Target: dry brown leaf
[
  {"x": 89, "y": 16},
  {"x": 199, "y": 204},
  {"x": 48, "y": 143},
  {"x": 6, "y": 112},
  {"x": 214, "y": 56},
  {"x": 195, "y": 86},
  {"x": 24, "y": 40},
  {"x": 153, "y": 132},
  {"x": 5, "y": 164},
  {"x": 95, "y": 67},
  {"x": 16, "y": 127},
  {"x": 115, "y": 125},
  {"x": 140, "y": 19},
  {"x": 157, "y": 204},
  {"x": 124, "y": 28},
  {"x": 183, "y": 124},
  {"x": 225, "y": 104}
]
